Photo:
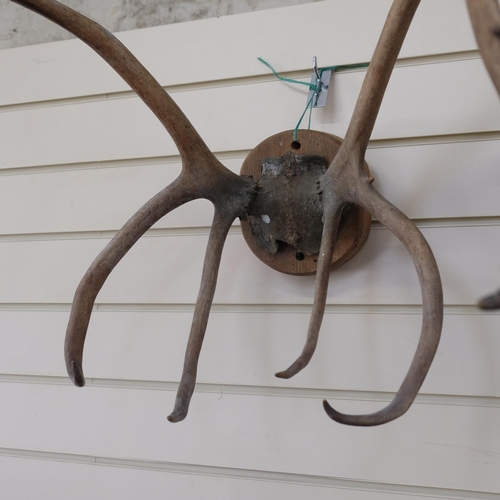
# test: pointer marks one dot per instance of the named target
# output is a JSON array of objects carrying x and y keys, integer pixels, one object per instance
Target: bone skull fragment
[{"x": 345, "y": 182}]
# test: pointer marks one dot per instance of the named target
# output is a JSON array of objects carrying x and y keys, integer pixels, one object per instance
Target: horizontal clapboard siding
[
  {"x": 168, "y": 269},
  {"x": 132, "y": 479},
  {"x": 80, "y": 154},
  {"x": 110, "y": 129},
  {"x": 403, "y": 173},
  {"x": 227, "y": 48},
  {"x": 359, "y": 351},
  {"x": 130, "y": 423}
]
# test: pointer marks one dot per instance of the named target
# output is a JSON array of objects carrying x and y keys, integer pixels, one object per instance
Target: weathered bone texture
[
  {"x": 203, "y": 176},
  {"x": 485, "y": 19},
  {"x": 288, "y": 181}
]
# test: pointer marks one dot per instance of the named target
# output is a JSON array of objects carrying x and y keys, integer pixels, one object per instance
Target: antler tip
[
  {"x": 341, "y": 418},
  {"x": 76, "y": 374},
  {"x": 490, "y": 302},
  {"x": 177, "y": 416},
  {"x": 283, "y": 374},
  {"x": 294, "y": 368},
  {"x": 333, "y": 414},
  {"x": 180, "y": 410}
]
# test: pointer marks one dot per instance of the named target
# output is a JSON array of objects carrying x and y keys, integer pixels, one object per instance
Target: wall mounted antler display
[
  {"x": 485, "y": 19},
  {"x": 343, "y": 181}
]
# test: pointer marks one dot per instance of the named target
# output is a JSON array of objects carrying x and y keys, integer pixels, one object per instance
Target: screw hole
[
  {"x": 300, "y": 256},
  {"x": 295, "y": 145}
]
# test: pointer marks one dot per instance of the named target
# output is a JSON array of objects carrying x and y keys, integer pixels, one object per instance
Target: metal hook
[
  {"x": 321, "y": 81},
  {"x": 315, "y": 68},
  {"x": 319, "y": 85}
]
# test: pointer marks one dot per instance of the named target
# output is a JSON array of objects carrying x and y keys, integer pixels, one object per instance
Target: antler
[
  {"x": 202, "y": 176},
  {"x": 485, "y": 19},
  {"x": 346, "y": 182}
]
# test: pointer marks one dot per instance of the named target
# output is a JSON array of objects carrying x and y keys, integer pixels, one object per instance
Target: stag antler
[
  {"x": 203, "y": 176},
  {"x": 347, "y": 182},
  {"x": 485, "y": 19}
]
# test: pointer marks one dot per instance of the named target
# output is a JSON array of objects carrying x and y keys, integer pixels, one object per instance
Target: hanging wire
[{"x": 315, "y": 87}]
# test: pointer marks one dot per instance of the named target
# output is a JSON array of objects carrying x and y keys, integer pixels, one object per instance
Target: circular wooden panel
[{"x": 355, "y": 223}]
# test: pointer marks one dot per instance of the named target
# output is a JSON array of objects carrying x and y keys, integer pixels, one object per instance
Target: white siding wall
[{"x": 80, "y": 153}]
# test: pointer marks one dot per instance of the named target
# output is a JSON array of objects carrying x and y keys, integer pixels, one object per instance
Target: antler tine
[
  {"x": 490, "y": 301},
  {"x": 329, "y": 236},
  {"x": 432, "y": 308},
  {"x": 485, "y": 19},
  {"x": 220, "y": 227}
]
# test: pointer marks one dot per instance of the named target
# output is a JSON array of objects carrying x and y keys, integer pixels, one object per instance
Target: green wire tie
[{"x": 312, "y": 86}]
